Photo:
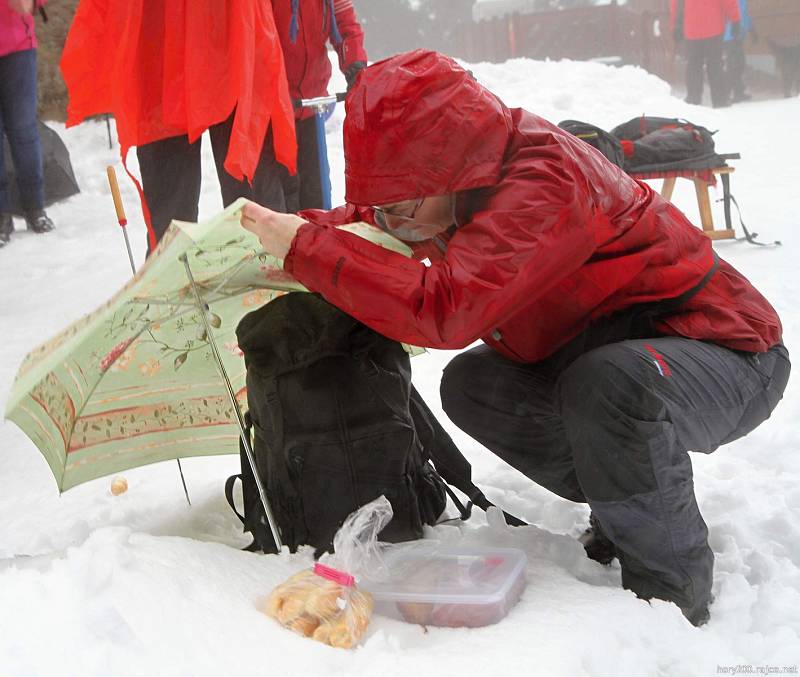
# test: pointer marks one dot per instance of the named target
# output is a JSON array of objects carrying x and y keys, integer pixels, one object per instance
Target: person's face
[{"x": 417, "y": 220}]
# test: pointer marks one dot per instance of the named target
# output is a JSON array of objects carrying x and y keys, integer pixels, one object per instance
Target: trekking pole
[
  {"x": 204, "y": 309},
  {"x": 123, "y": 222},
  {"x": 120, "y": 209},
  {"x": 320, "y": 105},
  {"x": 108, "y": 131}
]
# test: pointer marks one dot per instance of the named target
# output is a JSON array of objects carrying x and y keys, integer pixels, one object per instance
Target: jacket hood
[{"x": 418, "y": 124}]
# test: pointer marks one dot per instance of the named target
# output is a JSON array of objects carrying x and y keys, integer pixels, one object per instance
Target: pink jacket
[{"x": 16, "y": 31}]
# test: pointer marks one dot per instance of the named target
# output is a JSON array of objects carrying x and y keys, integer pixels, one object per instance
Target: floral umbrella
[{"x": 138, "y": 380}]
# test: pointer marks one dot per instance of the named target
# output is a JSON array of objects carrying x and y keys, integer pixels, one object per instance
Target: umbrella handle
[
  {"x": 120, "y": 209},
  {"x": 118, "y": 206}
]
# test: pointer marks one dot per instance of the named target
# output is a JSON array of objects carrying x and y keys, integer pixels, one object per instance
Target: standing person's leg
[
  {"x": 631, "y": 411},
  {"x": 22, "y": 130},
  {"x": 6, "y": 220},
  {"x": 510, "y": 409},
  {"x": 694, "y": 71},
  {"x": 308, "y": 165},
  {"x": 268, "y": 181},
  {"x": 716, "y": 72},
  {"x": 736, "y": 62},
  {"x": 170, "y": 170}
]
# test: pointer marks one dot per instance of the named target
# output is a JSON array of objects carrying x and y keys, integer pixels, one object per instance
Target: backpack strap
[
  {"x": 230, "y": 483},
  {"x": 451, "y": 464},
  {"x": 727, "y": 198}
]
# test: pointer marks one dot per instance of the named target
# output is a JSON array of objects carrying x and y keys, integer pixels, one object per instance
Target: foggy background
[{"x": 634, "y": 32}]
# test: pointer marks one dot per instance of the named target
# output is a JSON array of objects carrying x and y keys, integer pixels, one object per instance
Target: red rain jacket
[
  {"x": 173, "y": 67},
  {"x": 550, "y": 237},
  {"x": 308, "y": 68},
  {"x": 705, "y": 18}
]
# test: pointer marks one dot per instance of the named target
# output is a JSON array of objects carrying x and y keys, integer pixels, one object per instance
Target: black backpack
[
  {"x": 607, "y": 144},
  {"x": 337, "y": 424},
  {"x": 654, "y": 144}
]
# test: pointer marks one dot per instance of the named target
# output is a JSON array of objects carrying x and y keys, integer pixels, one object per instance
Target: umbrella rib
[
  {"x": 234, "y": 270},
  {"x": 187, "y": 308}
]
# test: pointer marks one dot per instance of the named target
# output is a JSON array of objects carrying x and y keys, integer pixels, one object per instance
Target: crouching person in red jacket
[{"x": 614, "y": 338}]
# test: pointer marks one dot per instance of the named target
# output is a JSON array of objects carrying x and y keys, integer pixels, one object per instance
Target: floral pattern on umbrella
[{"x": 135, "y": 382}]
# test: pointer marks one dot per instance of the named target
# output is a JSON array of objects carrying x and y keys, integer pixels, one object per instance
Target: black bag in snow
[
  {"x": 653, "y": 144},
  {"x": 59, "y": 177},
  {"x": 607, "y": 144},
  {"x": 337, "y": 424}
]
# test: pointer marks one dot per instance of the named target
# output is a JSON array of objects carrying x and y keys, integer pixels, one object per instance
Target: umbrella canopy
[
  {"x": 135, "y": 381},
  {"x": 59, "y": 178}
]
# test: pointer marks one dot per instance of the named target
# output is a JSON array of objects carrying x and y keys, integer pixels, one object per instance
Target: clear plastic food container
[{"x": 451, "y": 586}]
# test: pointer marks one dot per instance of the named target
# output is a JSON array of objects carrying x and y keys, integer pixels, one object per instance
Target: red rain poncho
[{"x": 171, "y": 67}]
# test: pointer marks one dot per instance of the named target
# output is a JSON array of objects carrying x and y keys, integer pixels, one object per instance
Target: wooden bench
[{"x": 703, "y": 179}]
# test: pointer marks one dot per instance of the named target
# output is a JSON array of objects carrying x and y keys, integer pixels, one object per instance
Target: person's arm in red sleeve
[
  {"x": 536, "y": 229},
  {"x": 339, "y": 216},
  {"x": 351, "y": 52}
]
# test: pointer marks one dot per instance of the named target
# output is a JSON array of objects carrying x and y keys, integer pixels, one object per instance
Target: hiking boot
[
  {"x": 6, "y": 228},
  {"x": 38, "y": 221},
  {"x": 596, "y": 543}
]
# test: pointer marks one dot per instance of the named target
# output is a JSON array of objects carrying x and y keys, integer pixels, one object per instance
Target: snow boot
[
  {"x": 38, "y": 221},
  {"x": 6, "y": 228},
  {"x": 596, "y": 543}
]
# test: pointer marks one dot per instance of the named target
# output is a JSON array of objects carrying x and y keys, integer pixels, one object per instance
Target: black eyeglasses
[{"x": 381, "y": 214}]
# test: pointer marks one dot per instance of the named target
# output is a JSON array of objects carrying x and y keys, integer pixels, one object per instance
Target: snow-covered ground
[{"x": 143, "y": 584}]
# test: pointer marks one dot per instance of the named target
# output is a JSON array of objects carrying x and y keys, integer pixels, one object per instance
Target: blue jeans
[{"x": 18, "y": 121}]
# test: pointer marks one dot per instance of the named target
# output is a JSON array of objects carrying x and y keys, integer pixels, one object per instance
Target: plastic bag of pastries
[{"x": 324, "y": 602}]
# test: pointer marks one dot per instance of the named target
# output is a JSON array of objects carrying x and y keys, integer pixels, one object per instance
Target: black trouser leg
[
  {"x": 735, "y": 66},
  {"x": 510, "y": 409},
  {"x": 695, "y": 59},
  {"x": 716, "y": 71},
  {"x": 268, "y": 181},
  {"x": 631, "y": 411},
  {"x": 308, "y": 171},
  {"x": 614, "y": 426},
  {"x": 170, "y": 170}
]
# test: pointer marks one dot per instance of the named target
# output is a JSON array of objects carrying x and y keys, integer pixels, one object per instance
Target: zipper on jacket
[{"x": 497, "y": 337}]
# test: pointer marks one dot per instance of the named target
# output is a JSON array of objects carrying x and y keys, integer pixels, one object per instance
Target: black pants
[
  {"x": 170, "y": 170},
  {"x": 705, "y": 56},
  {"x": 735, "y": 62},
  {"x": 304, "y": 191},
  {"x": 612, "y": 427}
]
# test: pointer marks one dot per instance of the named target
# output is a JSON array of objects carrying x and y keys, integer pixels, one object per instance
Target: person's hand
[
  {"x": 352, "y": 72},
  {"x": 275, "y": 230},
  {"x": 21, "y": 6}
]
